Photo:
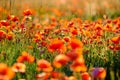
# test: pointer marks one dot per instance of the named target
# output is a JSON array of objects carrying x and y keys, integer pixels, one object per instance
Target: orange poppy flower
[
  {"x": 115, "y": 40},
  {"x": 44, "y": 65},
  {"x": 27, "y": 12},
  {"x": 87, "y": 33},
  {"x": 78, "y": 65},
  {"x": 6, "y": 73},
  {"x": 75, "y": 43},
  {"x": 85, "y": 76},
  {"x": 2, "y": 35},
  {"x": 108, "y": 27},
  {"x": 56, "y": 44},
  {"x": 60, "y": 60},
  {"x": 98, "y": 27},
  {"x": 98, "y": 73},
  {"x": 25, "y": 57},
  {"x": 19, "y": 67}
]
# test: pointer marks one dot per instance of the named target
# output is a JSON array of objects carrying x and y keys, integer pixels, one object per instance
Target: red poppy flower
[
  {"x": 14, "y": 18},
  {"x": 67, "y": 39},
  {"x": 74, "y": 32},
  {"x": 4, "y": 23}
]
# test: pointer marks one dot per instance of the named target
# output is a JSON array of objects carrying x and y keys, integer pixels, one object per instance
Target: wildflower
[
  {"x": 87, "y": 33},
  {"x": 108, "y": 27},
  {"x": 98, "y": 27},
  {"x": 114, "y": 48},
  {"x": 13, "y": 18},
  {"x": 115, "y": 40},
  {"x": 38, "y": 37},
  {"x": 115, "y": 21},
  {"x": 56, "y": 44},
  {"x": 56, "y": 75},
  {"x": 67, "y": 39},
  {"x": 60, "y": 60},
  {"x": 74, "y": 32},
  {"x": 2, "y": 35},
  {"x": 73, "y": 55},
  {"x": 111, "y": 47},
  {"x": 75, "y": 43},
  {"x": 85, "y": 76},
  {"x": 6, "y": 73},
  {"x": 44, "y": 65},
  {"x": 27, "y": 12},
  {"x": 25, "y": 57},
  {"x": 78, "y": 65},
  {"x": 19, "y": 67},
  {"x": 10, "y": 35},
  {"x": 4, "y": 23},
  {"x": 43, "y": 43},
  {"x": 70, "y": 24},
  {"x": 98, "y": 73}
]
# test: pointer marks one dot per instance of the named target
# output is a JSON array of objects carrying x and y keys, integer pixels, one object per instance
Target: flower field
[{"x": 59, "y": 40}]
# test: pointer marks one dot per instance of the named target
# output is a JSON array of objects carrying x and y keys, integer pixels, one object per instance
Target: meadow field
[{"x": 59, "y": 40}]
